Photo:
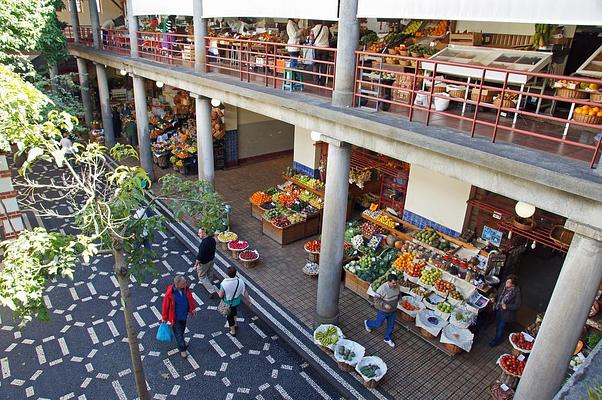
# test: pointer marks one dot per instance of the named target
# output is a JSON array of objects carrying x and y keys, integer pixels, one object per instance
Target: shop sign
[
  {"x": 307, "y": 9},
  {"x": 497, "y": 215},
  {"x": 492, "y": 235}
]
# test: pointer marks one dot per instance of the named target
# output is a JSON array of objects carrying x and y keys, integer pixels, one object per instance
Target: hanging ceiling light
[
  {"x": 215, "y": 102},
  {"x": 510, "y": 235},
  {"x": 123, "y": 72},
  {"x": 533, "y": 245},
  {"x": 524, "y": 210},
  {"x": 159, "y": 84}
]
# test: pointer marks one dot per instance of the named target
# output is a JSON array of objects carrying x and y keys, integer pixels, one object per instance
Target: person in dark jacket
[
  {"x": 116, "y": 117},
  {"x": 507, "y": 303},
  {"x": 178, "y": 304},
  {"x": 204, "y": 260}
]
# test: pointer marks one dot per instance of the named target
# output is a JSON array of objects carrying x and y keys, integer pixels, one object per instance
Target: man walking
[
  {"x": 204, "y": 260},
  {"x": 387, "y": 297},
  {"x": 177, "y": 305}
]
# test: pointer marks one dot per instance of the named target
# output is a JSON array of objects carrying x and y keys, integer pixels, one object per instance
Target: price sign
[
  {"x": 528, "y": 337},
  {"x": 521, "y": 358},
  {"x": 497, "y": 215},
  {"x": 504, "y": 387},
  {"x": 581, "y": 356}
]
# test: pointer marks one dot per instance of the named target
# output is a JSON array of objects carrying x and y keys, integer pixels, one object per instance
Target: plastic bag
[
  {"x": 460, "y": 337},
  {"x": 372, "y": 360},
  {"x": 325, "y": 327},
  {"x": 309, "y": 55},
  {"x": 164, "y": 334},
  {"x": 429, "y": 321},
  {"x": 357, "y": 348}
]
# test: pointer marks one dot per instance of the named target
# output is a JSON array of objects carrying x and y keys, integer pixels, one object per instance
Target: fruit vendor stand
[{"x": 291, "y": 211}]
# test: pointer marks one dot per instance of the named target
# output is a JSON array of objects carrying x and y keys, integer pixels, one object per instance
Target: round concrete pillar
[
  {"x": 144, "y": 148},
  {"x": 333, "y": 231},
  {"x": 82, "y": 69},
  {"x": 132, "y": 29},
  {"x": 74, "y": 20},
  {"x": 200, "y": 31},
  {"x": 347, "y": 40},
  {"x": 204, "y": 137},
  {"x": 105, "y": 105},
  {"x": 563, "y": 321},
  {"x": 95, "y": 23}
]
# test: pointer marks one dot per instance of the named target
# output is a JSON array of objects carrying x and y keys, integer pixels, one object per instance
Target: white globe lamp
[{"x": 524, "y": 210}]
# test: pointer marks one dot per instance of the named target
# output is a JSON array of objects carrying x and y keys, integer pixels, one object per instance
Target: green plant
[
  {"x": 594, "y": 339},
  {"x": 594, "y": 393}
]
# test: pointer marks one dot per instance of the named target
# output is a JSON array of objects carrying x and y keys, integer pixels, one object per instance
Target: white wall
[
  {"x": 258, "y": 135},
  {"x": 495, "y": 27},
  {"x": 108, "y": 11},
  {"x": 305, "y": 151},
  {"x": 437, "y": 197}
]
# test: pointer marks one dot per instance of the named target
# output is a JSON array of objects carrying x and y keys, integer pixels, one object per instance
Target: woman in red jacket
[{"x": 177, "y": 305}]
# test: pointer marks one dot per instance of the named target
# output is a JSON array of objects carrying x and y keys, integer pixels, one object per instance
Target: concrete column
[
  {"x": 144, "y": 149},
  {"x": 333, "y": 230},
  {"x": 204, "y": 138},
  {"x": 105, "y": 105},
  {"x": 564, "y": 319},
  {"x": 53, "y": 72},
  {"x": 95, "y": 23},
  {"x": 347, "y": 40},
  {"x": 133, "y": 29},
  {"x": 74, "y": 20},
  {"x": 82, "y": 69},
  {"x": 200, "y": 31}
]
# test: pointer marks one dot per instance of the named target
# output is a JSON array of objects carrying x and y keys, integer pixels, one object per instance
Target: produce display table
[
  {"x": 284, "y": 235},
  {"x": 356, "y": 285},
  {"x": 256, "y": 211},
  {"x": 319, "y": 193},
  {"x": 393, "y": 231},
  {"x": 410, "y": 326}
]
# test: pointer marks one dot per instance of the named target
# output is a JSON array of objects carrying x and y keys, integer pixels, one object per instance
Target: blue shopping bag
[{"x": 164, "y": 334}]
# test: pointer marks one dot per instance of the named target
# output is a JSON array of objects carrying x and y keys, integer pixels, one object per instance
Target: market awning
[
  {"x": 585, "y": 12},
  {"x": 307, "y": 9}
]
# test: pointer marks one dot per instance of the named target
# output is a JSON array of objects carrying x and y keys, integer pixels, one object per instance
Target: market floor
[
  {"x": 81, "y": 352},
  {"x": 416, "y": 369}
]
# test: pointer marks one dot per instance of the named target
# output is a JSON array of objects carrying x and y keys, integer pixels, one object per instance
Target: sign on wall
[
  {"x": 585, "y": 12},
  {"x": 162, "y": 7}
]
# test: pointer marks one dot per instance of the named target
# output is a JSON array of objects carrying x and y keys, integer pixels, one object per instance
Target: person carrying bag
[{"x": 235, "y": 289}]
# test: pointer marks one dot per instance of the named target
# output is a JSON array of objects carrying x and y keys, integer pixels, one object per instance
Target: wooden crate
[
  {"x": 312, "y": 225},
  {"x": 188, "y": 52},
  {"x": 286, "y": 235},
  {"x": 356, "y": 285},
  {"x": 466, "y": 39},
  {"x": 257, "y": 212}
]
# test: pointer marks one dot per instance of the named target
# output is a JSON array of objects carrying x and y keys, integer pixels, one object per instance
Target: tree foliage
[{"x": 30, "y": 26}]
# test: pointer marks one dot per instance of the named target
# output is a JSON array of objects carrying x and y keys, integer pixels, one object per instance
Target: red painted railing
[
  {"x": 413, "y": 95},
  {"x": 85, "y": 35},
  {"x": 115, "y": 40},
  {"x": 166, "y": 48},
  {"x": 290, "y": 67},
  {"x": 68, "y": 32}
]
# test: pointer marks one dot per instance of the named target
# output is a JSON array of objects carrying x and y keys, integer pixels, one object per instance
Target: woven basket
[
  {"x": 452, "y": 348},
  {"x": 403, "y": 63},
  {"x": 504, "y": 104},
  {"x": 587, "y": 119},
  {"x": 416, "y": 55},
  {"x": 457, "y": 92},
  {"x": 596, "y": 97},
  {"x": 407, "y": 317},
  {"x": 426, "y": 334},
  {"x": 571, "y": 93},
  {"x": 404, "y": 53},
  {"x": 371, "y": 384},
  {"x": 523, "y": 226},
  {"x": 392, "y": 51},
  {"x": 345, "y": 367},
  {"x": 561, "y": 235},
  {"x": 486, "y": 97}
]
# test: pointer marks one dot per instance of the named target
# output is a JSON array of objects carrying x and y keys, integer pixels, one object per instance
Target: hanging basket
[
  {"x": 561, "y": 235},
  {"x": 571, "y": 93},
  {"x": 526, "y": 224}
]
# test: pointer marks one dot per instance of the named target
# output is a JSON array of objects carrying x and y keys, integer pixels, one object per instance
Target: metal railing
[
  {"x": 279, "y": 65},
  {"x": 115, "y": 40},
  {"x": 422, "y": 93},
  {"x": 166, "y": 48}
]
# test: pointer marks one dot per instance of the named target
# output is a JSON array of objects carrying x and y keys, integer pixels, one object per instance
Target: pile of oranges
[
  {"x": 587, "y": 110},
  {"x": 403, "y": 261}
]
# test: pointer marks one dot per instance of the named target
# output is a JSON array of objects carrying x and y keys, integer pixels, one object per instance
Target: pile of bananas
[
  {"x": 386, "y": 221},
  {"x": 328, "y": 337}
]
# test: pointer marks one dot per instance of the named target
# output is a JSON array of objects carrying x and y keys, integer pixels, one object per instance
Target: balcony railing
[
  {"x": 421, "y": 95},
  {"x": 167, "y": 48},
  {"x": 452, "y": 102},
  {"x": 279, "y": 65}
]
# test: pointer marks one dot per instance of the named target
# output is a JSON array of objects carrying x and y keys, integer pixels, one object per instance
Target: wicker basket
[
  {"x": 403, "y": 63},
  {"x": 587, "y": 119},
  {"x": 486, "y": 97},
  {"x": 426, "y": 334},
  {"x": 371, "y": 384},
  {"x": 452, "y": 348},
  {"x": 404, "y": 53},
  {"x": 392, "y": 51},
  {"x": 345, "y": 367},
  {"x": 416, "y": 55},
  {"x": 503, "y": 103},
  {"x": 596, "y": 97},
  {"x": 407, "y": 317},
  {"x": 249, "y": 263},
  {"x": 571, "y": 93},
  {"x": 457, "y": 92},
  {"x": 524, "y": 224},
  {"x": 561, "y": 235}
]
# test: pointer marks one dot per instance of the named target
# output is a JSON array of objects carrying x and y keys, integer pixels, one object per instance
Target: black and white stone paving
[{"x": 82, "y": 352}]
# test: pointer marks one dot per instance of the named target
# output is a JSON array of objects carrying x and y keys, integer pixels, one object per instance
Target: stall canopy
[
  {"x": 584, "y": 12},
  {"x": 307, "y": 9},
  {"x": 162, "y": 7}
]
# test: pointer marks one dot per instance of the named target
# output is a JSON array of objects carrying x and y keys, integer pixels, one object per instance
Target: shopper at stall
[
  {"x": 294, "y": 37},
  {"x": 178, "y": 304},
  {"x": 321, "y": 35},
  {"x": 386, "y": 299},
  {"x": 131, "y": 131},
  {"x": 507, "y": 303},
  {"x": 116, "y": 118},
  {"x": 204, "y": 260},
  {"x": 231, "y": 291}
]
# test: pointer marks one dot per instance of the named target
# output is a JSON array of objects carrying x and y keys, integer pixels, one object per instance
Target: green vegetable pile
[
  {"x": 346, "y": 354},
  {"x": 370, "y": 370}
]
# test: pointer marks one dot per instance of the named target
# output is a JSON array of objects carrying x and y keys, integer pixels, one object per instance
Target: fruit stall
[
  {"x": 442, "y": 278},
  {"x": 291, "y": 211}
]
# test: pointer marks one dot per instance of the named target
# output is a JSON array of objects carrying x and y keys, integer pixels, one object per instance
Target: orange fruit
[
  {"x": 577, "y": 111},
  {"x": 599, "y": 114},
  {"x": 586, "y": 107},
  {"x": 596, "y": 109},
  {"x": 591, "y": 113},
  {"x": 593, "y": 86}
]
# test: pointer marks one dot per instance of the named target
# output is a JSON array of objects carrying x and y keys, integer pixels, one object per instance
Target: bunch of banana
[
  {"x": 543, "y": 33},
  {"x": 328, "y": 337}
]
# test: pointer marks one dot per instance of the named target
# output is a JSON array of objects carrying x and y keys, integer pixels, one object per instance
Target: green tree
[
  {"x": 104, "y": 213},
  {"x": 30, "y": 26}
]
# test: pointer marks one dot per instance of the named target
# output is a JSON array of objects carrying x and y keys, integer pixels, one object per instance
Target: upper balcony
[{"x": 425, "y": 93}]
